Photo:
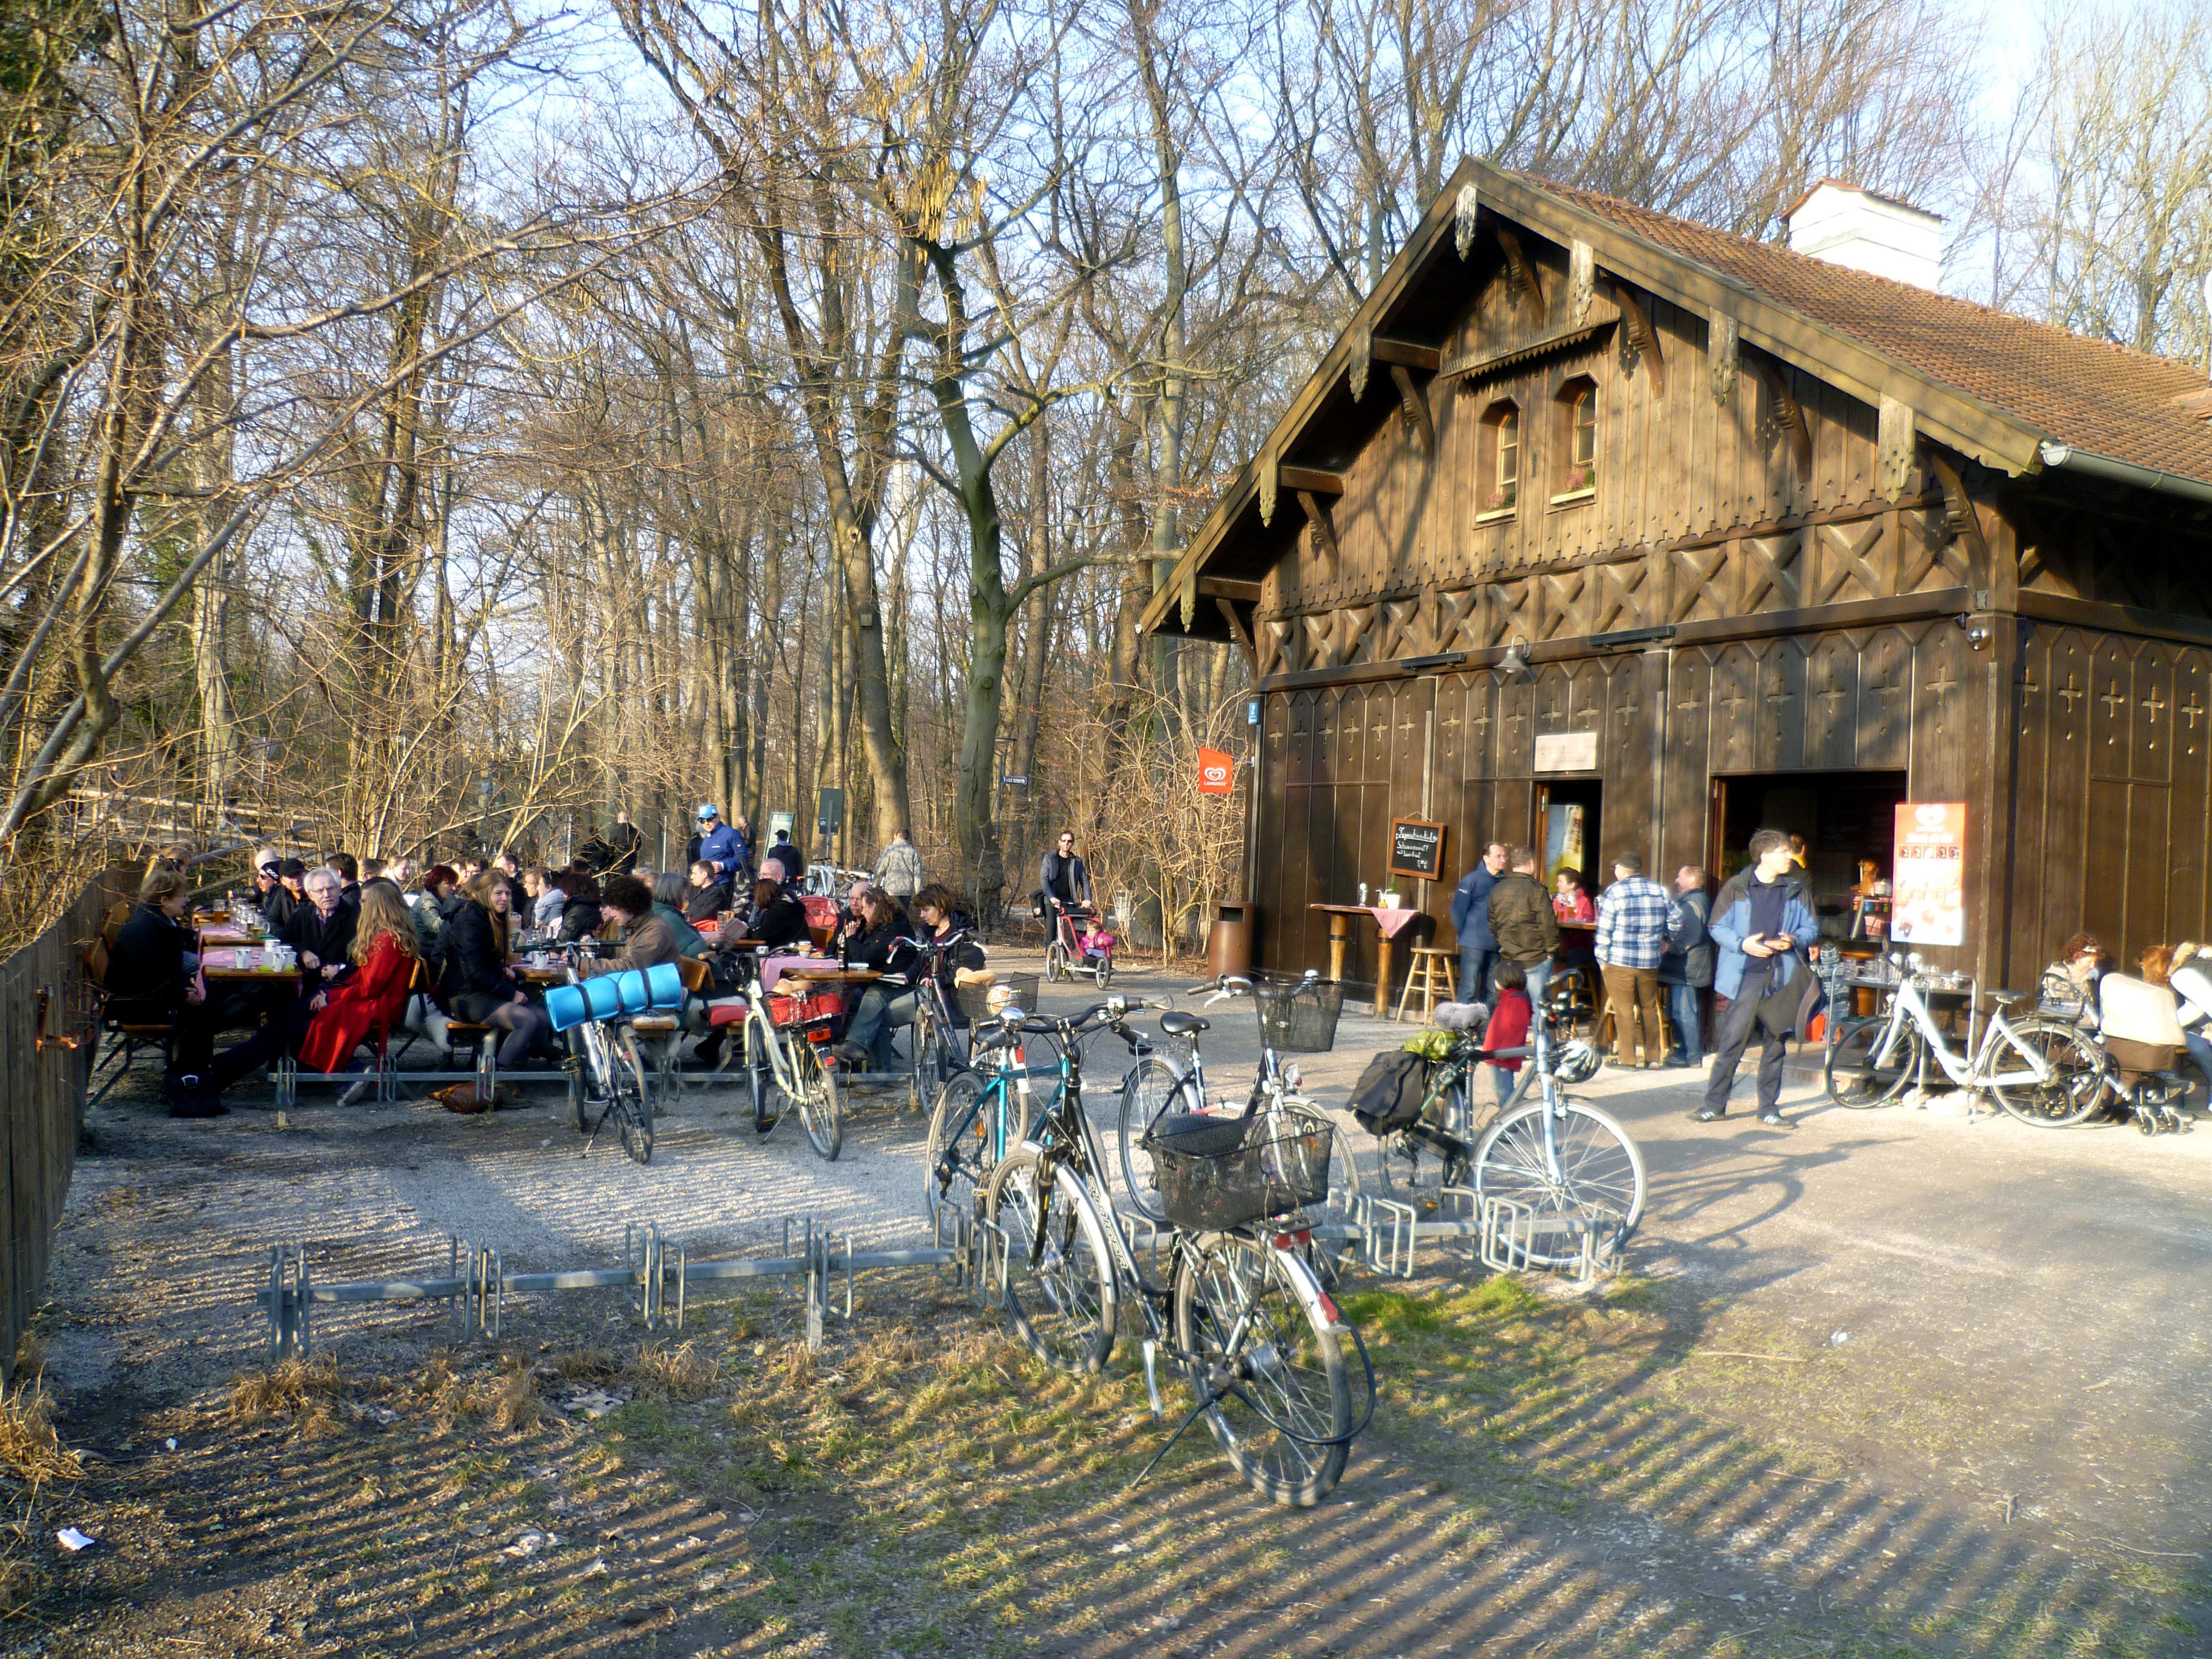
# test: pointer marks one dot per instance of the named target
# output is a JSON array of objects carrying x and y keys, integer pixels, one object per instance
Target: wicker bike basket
[
  {"x": 1298, "y": 1016},
  {"x": 975, "y": 999},
  {"x": 1217, "y": 1173}
]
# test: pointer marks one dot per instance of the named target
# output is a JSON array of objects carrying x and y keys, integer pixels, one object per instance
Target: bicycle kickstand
[{"x": 1205, "y": 1405}]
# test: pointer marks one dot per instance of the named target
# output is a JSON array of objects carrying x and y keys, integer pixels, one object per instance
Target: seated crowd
[{"x": 367, "y": 936}]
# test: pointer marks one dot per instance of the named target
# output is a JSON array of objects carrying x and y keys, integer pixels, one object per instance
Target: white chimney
[{"x": 1854, "y": 227}]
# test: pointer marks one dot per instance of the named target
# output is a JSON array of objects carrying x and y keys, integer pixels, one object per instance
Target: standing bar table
[{"x": 1389, "y": 924}]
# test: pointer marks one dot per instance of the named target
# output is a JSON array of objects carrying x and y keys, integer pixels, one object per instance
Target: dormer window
[
  {"x": 1501, "y": 462},
  {"x": 1577, "y": 448}
]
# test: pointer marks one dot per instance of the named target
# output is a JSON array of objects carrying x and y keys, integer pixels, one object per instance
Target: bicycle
[
  {"x": 1242, "y": 1314},
  {"x": 1156, "y": 1087},
  {"x": 1555, "y": 1156},
  {"x": 784, "y": 1040},
  {"x": 980, "y": 1114},
  {"x": 607, "y": 1071},
  {"x": 2057, "y": 1075}
]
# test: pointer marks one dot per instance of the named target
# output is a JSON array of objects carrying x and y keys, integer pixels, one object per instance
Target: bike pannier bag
[{"x": 1388, "y": 1097}]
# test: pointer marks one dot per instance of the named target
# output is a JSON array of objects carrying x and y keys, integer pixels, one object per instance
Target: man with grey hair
[{"x": 322, "y": 929}]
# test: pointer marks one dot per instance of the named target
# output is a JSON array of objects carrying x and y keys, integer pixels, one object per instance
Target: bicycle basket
[
  {"x": 975, "y": 999},
  {"x": 1298, "y": 1016},
  {"x": 1215, "y": 1173}
]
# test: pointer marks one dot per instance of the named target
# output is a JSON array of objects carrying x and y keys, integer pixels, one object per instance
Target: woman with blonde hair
[
  {"x": 478, "y": 985},
  {"x": 2189, "y": 976},
  {"x": 373, "y": 996}
]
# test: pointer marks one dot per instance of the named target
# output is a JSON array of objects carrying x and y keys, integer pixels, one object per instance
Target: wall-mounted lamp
[
  {"x": 1514, "y": 665},
  {"x": 1978, "y": 632}
]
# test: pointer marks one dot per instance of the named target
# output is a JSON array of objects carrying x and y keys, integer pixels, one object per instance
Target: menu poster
[
  {"x": 1929, "y": 877},
  {"x": 1416, "y": 849}
]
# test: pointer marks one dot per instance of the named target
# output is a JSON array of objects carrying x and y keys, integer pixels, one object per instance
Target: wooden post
[{"x": 1340, "y": 934}]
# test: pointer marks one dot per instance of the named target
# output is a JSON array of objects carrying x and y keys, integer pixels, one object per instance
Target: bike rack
[{"x": 476, "y": 1283}]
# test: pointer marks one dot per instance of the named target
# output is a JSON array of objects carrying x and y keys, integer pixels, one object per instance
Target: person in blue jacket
[
  {"x": 1763, "y": 925},
  {"x": 1470, "y": 914},
  {"x": 718, "y": 845}
]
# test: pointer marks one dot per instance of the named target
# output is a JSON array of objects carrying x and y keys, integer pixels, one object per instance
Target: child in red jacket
[{"x": 1509, "y": 1025}]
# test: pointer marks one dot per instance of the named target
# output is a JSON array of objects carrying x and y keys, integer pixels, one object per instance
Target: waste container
[{"x": 1229, "y": 945}]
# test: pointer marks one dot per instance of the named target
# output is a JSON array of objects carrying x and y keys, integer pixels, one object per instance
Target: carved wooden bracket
[
  {"x": 1237, "y": 630},
  {"x": 1961, "y": 519},
  {"x": 1418, "y": 418},
  {"x": 1641, "y": 335},
  {"x": 1522, "y": 276},
  {"x": 1324, "y": 533},
  {"x": 1789, "y": 417}
]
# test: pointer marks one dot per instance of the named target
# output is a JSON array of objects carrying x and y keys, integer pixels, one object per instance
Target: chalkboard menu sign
[{"x": 1416, "y": 849}]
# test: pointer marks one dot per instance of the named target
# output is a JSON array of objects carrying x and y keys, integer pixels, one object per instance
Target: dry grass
[
  {"x": 31, "y": 1452},
  {"x": 593, "y": 1363},
  {"x": 681, "y": 1372},
  {"x": 510, "y": 1399},
  {"x": 291, "y": 1388}
]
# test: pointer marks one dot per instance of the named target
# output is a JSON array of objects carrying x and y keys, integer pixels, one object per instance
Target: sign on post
[
  {"x": 1566, "y": 751},
  {"x": 1416, "y": 849},
  {"x": 829, "y": 811},
  {"x": 1928, "y": 881},
  {"x": 1217, "y": 772}
]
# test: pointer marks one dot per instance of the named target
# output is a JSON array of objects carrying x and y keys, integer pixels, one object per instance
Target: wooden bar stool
[{"x": 1429, "y": 961}]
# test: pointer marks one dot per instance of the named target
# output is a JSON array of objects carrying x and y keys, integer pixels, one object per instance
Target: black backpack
[{"x": 1388, "y": 1097}]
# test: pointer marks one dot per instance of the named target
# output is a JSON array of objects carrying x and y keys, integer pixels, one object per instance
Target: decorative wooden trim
[
  {"x": 1311, "y": 478},
  {"x": 1416, "y": 406},
  {"x": 1468, "y": 372},
  {"x": 1582, "y": 281},
  {"x": 1270, "y": 481},
  {"x": 1324, "y": 533},
  {"x": 1826, "y": 618},
  {"x": 1723, "y": 347},
  {"x": 1522, "y": 275},
  {"x": 1463, "y": 211},
  {"x": 1896, "y": 448},
  {"x": 1641, "y": 334},
  {"x": 1360, "y": 344}
]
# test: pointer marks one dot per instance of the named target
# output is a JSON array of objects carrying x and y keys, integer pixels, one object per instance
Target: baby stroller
[
  {"x": 1079, "y": 944},
  {"x": 2140, "y": 1030}
]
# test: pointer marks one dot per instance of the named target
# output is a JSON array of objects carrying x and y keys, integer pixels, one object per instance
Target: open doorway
[
  {"x": 1847, "y": 819},
  {"x": 1570, "y": 826}
]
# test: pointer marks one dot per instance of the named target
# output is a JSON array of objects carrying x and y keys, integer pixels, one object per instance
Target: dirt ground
[{"x": 1884, "y": 1384}]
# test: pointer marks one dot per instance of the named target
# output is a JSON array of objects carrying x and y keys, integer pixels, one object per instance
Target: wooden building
[{"x": 1594, "y": 507}]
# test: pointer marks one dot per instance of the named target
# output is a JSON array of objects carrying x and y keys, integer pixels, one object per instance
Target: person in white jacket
[{"x": 2191, "y": 985}]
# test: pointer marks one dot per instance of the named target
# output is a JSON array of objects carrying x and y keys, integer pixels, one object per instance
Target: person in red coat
[
  {"x": 1508, "y": 1025},
  {"x": 373, "y": 996}
]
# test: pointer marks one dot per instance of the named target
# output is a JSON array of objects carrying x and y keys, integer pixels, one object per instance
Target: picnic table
[
  {"x": 1388, "y": 925},
  {"x": 223, "y": 964}
]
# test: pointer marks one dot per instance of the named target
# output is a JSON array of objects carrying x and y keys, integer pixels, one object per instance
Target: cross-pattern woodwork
[
  {"x": 1770, "y": 572},
  {"x": 1616, "y": 597},
  {"x": 1849, "y": 563},
  {"x": 1698, "y": 591},
  {"x": 1959, "y": 516}
]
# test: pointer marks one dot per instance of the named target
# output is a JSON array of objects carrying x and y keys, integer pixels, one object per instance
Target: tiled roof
[{"x": 2109, "y": 400}]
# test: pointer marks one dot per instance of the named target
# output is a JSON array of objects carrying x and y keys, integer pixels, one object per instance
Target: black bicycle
[{"x": 1240, "y": 1313}]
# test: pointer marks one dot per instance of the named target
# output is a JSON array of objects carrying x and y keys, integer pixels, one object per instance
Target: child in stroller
[{"x": 1079, "y": 944}]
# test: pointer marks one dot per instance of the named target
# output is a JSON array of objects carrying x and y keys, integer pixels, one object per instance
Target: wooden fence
[{"x": 48, "y": 1037}]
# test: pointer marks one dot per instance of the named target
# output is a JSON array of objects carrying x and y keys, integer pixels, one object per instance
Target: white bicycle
[{"x": 2040, "y": 1070}]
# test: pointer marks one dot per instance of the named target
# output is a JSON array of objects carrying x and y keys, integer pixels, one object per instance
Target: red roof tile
[{"x": 2110, "y": 400}]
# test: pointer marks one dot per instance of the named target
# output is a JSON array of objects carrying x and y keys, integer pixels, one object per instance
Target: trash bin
[{"x": 1228, "y": 947}]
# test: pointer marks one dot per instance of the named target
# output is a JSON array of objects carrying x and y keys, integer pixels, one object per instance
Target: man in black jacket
[
  {"x": 624, "y": 841},
  {"x": 1523, "y": 922},
  {"x": 322, "y": 929},
  {"x": 1687, "y": 968}
]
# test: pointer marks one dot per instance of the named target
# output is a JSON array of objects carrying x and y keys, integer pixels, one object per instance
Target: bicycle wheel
[
  {"x": 633, "y": 1099},
  {"x": 814, "y": 1091},
  {"x": 1061, "y": 1296},
  {"x": 1858, "y": 1079},
  {"x": 1253, "y": 1324},
  {"x": 957, "y": 1165},
  {"x": 1417, "y": 1165},
  {"x": 2076, "y": 1088},
  {"x": 1150, "y": 1088},
  {"x": 1103, "y": 972},
  {"x": 932, "y": 1064},
  {"x": 1599, "y": 1173}
]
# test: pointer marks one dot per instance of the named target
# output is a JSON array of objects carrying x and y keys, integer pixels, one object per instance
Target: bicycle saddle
[{"x": 1176, "y": 1022}]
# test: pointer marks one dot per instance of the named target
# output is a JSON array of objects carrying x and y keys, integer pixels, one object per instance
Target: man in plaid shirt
[{"x": 1631, "y": 937}]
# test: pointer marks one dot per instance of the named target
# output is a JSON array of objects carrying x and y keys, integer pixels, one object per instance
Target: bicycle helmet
[{"x": 1574, "y": 1061}]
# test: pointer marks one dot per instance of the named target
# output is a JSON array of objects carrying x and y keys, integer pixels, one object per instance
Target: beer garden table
[{"x": 1388, "y": 925}]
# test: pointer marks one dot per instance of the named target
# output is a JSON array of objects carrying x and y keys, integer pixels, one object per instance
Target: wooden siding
[{"x": 1342, "y": 761}]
